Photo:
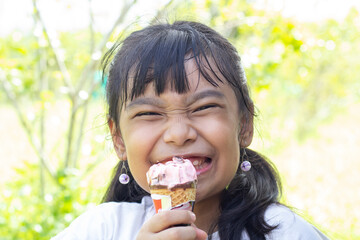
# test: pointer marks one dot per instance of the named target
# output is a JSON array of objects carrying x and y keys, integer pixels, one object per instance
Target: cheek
[
  {"x": 138, "y": 143},
  {"x": 221, "y": 130},
  {"x": 223, "y": 135},
  {"x": 138, "y": 170}
]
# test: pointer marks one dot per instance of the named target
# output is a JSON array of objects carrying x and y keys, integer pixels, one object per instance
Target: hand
[{"x": 162, "y": 226}]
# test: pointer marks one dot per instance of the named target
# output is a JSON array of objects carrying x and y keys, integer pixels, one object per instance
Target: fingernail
[{"x": 193, "y": 217}]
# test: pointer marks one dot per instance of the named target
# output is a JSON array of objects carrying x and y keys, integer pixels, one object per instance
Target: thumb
[{"x": 200, "y": 234}]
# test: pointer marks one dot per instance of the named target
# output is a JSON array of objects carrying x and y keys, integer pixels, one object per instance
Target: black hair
[
  {"x": 157, "y": 54},
  {"x": 244, "y": 203}
]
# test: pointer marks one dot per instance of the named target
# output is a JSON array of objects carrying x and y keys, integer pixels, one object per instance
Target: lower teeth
[{"x": 198, "y": 167}]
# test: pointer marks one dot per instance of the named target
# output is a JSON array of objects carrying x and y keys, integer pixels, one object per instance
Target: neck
[{"x": 207, "y": 212}]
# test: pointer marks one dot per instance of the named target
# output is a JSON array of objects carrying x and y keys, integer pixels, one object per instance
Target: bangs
[{"x": 161, "y": 60}]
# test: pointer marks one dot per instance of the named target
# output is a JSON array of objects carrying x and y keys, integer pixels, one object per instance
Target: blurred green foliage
[
  {"x": 300, "y": 74},
  {"x": 28, "y": 213}
]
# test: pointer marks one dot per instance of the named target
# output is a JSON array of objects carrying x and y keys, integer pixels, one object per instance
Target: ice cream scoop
[{"x": 173, "y": 184}]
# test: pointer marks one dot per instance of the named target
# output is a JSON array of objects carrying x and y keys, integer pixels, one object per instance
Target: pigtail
[
  {"x": 244, "y": 202},
  {"x": 117, "y": 192}
]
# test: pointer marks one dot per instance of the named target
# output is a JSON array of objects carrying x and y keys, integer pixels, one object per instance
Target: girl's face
[{"x": 201, "y": 125}]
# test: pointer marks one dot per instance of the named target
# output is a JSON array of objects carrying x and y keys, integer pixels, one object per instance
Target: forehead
[{"x": 179, "y": 78}]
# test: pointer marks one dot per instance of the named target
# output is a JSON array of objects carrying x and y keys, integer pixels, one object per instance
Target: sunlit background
[{"x": 302, "y": 60}]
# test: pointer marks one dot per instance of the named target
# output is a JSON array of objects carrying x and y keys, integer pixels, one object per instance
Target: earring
[
  {"x": 245, "y": 165},
  {"x": 124, "y": 178}
]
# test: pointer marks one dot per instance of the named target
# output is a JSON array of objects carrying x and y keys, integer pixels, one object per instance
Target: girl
[{"x": 180, "y": 90}]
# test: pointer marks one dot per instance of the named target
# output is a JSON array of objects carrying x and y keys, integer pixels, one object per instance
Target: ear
[
  {"x": 247, "y": 130},
  {"x": 117, "y": 139}
]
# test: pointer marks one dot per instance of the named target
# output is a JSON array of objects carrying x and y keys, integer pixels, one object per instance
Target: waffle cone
[{"x": 178, "y": 195}]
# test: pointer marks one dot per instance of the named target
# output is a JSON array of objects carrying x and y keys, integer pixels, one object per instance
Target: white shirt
[{"x": 122, "y": 221}]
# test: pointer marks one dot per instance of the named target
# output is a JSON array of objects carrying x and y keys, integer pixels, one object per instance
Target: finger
[
  {"x": 174, "y": 233},
  {"x": 166, "y": 219},
  {"x": 200, "y": 234}
]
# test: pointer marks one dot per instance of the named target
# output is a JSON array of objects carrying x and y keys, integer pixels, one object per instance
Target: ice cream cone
[{"x": 178, "y": 195}]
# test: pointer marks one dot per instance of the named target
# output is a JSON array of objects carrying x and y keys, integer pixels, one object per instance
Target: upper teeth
[{"x": 198, "y": 162}]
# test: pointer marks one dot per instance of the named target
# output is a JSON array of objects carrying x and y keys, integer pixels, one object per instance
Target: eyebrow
[
  {"x": 144, "y": 101},
  {"x": 205, "y": 94}
]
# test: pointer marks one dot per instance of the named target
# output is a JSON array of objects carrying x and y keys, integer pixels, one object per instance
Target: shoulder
[
  {"x": 109, "y": 220},
  {"x": 290, "y": 225}
]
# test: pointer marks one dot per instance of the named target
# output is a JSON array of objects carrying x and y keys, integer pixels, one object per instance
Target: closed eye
[
  {"x": 147, "y": 114},
  {"x": 205, "y": 107}
]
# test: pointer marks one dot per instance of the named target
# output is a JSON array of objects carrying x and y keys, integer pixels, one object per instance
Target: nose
[{"x": 179, "y": 131}]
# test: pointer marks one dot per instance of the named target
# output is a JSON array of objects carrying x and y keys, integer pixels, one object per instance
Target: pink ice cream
[{"x": 176, "y": 172}]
